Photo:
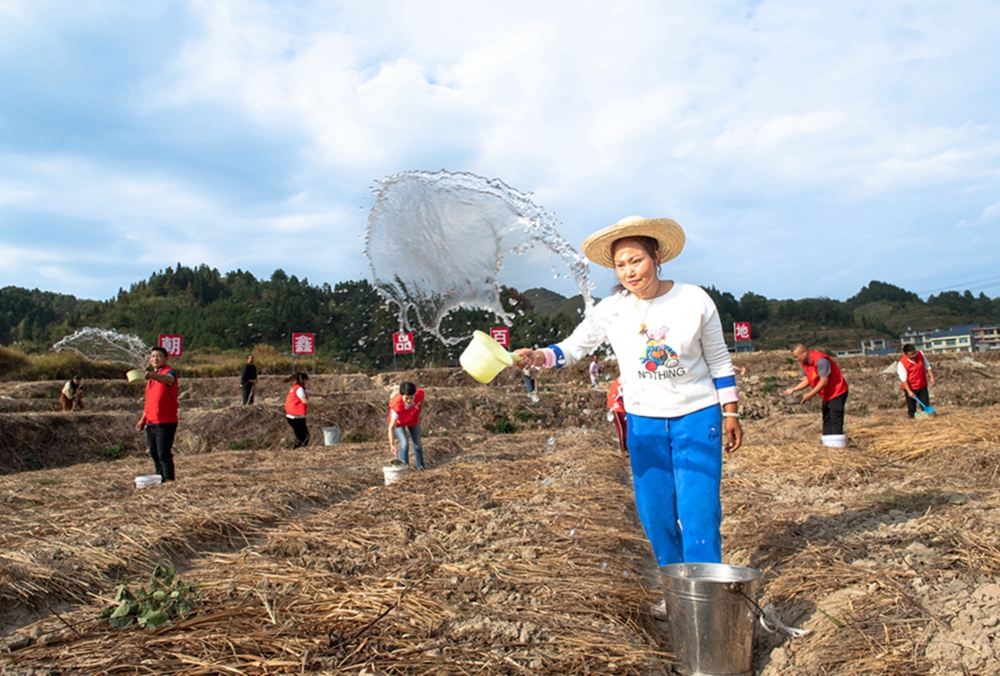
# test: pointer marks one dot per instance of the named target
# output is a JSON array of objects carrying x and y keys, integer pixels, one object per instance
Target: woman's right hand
[{"x": 534, "y": 357}]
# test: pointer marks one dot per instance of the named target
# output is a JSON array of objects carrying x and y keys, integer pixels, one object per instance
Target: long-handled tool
[{"x": 926, "y": 409}]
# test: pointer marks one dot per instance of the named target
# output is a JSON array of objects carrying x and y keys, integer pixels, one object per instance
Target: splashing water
[
  {"x": 106, "y": 345},
  {"x": 436, "y": 242}
]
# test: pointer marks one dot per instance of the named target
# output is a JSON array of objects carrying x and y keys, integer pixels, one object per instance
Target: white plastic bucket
[
  {"x": 136, "y": 376},
  {"x": 484, "y": 358},
  {"x": 834, "y": 440},
  {"x": 395, "y": 471},
  {"x": 148, "y": 480},
  {"x": 331, "y": 435}
]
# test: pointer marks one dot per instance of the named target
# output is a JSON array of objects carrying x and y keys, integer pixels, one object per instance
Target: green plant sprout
[{"x": 166, "y": 599}]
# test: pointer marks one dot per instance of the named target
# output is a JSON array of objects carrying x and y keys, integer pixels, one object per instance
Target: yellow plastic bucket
[
  {"x": 136, "y": 376},
  {"x": 484, "y": 358}
]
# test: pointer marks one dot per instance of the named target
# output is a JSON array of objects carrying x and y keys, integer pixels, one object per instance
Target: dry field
[{"x": 515, "y": 553}]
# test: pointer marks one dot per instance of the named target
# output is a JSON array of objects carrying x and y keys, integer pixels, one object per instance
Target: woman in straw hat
[{"x": 678, "y": 382}]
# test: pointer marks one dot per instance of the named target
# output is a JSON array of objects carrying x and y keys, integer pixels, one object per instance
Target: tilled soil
[{"x": 515, "y": 552}]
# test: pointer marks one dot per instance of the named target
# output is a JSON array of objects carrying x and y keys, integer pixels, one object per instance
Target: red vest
[
  {"x": 161, "y": 400},
  {"x": 615, "y": 402},
  {"x": 294, "y": 405},
  {"x": 916, "y": 371},
  {"x": 835, "y": 384},
  {"x": 406, "y": 417}
]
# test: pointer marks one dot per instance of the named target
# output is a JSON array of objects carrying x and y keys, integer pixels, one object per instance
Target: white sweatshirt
[{"x": 671, "y": 350}]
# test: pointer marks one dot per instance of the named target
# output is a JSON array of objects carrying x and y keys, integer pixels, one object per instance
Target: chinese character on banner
[
  {"x": 173, "y": 344},
  {"x": 741, "y": 330},
  {"x": 303, "y": 343},
  {"x": 501, "y": 334},
  {"x": 402, "y": 343}
]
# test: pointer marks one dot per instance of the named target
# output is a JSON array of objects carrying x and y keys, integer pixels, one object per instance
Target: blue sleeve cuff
[
  {"x": 560, "y": 357},
  {"x": 724, "y": 382}
]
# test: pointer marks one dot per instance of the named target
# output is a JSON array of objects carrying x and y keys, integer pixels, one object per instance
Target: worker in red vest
[
  {"x": 822, "y": 377},
  {"x": 617, "y": 415},
  {"x": 296, "y": 406},
  {"x": 914, "y": 372},
  {"x": 159, "y": 413}
]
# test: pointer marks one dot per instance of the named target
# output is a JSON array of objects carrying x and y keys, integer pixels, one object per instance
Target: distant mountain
[{"x": 549, "y": 303}]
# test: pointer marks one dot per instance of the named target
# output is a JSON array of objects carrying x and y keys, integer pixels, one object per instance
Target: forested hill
[{"x": 353, "y": 324}]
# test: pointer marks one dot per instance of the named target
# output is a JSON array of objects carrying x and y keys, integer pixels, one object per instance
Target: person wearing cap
[
  {"x": 71, "y": 396},
  {"x": 678, "y": 385},
  {"x": 915, "y": 373}
]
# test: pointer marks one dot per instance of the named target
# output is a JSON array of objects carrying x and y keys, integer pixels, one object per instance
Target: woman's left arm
[
  {"x": 720, "y": 366},
  {"x": 731, "y": 427}
]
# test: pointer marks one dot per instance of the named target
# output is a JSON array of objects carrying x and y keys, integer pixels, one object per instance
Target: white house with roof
[
  {"x": 986, "y": 338},
  {"x": 916, "y": 338},
  {"x": 956, "y": 339}
]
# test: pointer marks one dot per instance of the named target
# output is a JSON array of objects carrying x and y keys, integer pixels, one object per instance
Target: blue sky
[{"x": 806, "y": 148}]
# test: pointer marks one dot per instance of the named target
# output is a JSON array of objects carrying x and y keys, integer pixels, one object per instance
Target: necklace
[{"x": 642, "y": 313}]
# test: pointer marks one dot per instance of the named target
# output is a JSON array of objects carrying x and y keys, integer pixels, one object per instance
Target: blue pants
[
  {"x": 677, "y": 472},
  {"x": 418, "y": 448}
]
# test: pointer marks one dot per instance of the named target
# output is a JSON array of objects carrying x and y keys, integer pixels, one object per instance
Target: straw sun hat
[{"x": 666, "y": 232}]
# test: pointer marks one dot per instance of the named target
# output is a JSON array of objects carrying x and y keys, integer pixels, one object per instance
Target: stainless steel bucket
[{"x": 711, "y": 609}]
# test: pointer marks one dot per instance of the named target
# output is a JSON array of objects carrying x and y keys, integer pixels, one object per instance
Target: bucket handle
[{"x": 767, "y": 614}]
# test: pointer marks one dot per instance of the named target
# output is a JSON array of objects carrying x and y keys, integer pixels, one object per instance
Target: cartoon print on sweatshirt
[{"x": 658, "y": 353}]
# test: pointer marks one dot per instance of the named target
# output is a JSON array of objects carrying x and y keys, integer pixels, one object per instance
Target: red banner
[
  {"x": 501, "y": 334},
  {"x": 173, "y": 344},
  {"x": 303, "y": 343},
  {"x": 402, "y": 343}
]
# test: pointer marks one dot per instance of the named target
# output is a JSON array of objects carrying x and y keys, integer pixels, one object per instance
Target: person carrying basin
[
  {"x": 404, "y": 417},
  {"x": 159, "y": 413},
  {"x": 677, "y": 380}
]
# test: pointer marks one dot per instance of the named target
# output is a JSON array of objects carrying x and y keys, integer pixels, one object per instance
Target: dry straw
[{"x": 510, "y": 556}]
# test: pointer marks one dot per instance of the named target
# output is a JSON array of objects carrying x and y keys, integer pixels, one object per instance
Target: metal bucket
[
  {"x": 331, "y": 436},
  {"x": 711, "y": 616}
]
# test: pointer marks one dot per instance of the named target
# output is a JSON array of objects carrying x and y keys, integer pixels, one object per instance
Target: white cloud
[
  {"x": 989, "y": 215},
  {"x": 742, "y": 120}
]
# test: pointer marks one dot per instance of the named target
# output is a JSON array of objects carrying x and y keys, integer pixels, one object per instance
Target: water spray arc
[
  {"x": 436, "y": 242},
  {"x": 106, "y": 345}
]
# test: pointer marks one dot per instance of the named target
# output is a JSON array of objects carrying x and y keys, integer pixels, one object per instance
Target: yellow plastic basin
[{"x": 484, "y": 358}]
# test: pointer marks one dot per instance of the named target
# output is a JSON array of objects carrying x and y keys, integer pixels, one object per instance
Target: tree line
[{"x": 354, "y": 324}]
